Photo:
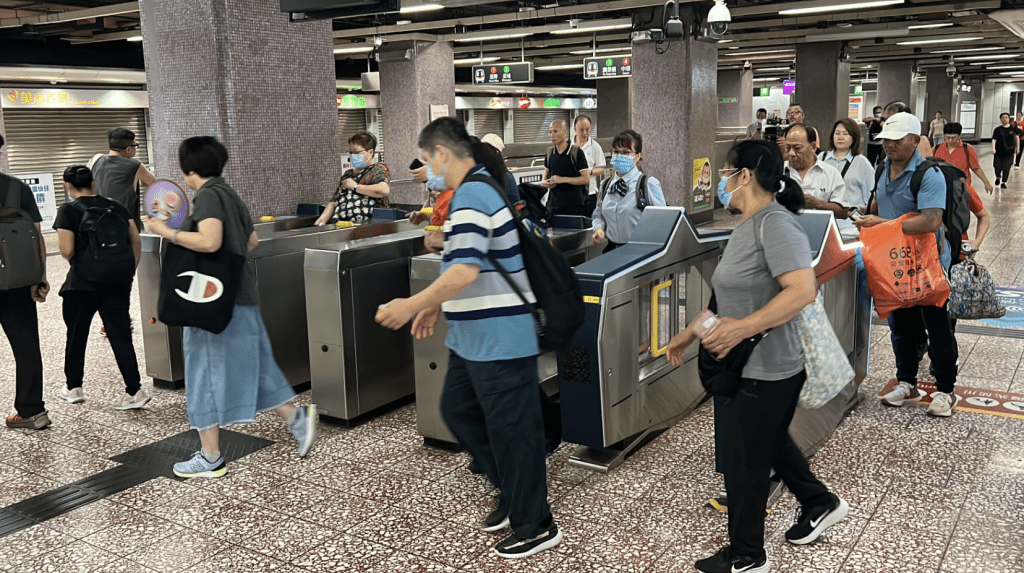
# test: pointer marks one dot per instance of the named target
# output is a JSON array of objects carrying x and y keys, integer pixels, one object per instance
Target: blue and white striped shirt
[{"x": 488, "y": 320}]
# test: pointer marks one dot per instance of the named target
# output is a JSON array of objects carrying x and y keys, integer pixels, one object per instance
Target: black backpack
[
  {"x": 956, "y": 217},
  {"x": 107, "y": 256},
  {"x": 641, "y": 191},
  {"x": 559, "y": 310},
  {"x": 21, "y": 254},
  {"x": 532, "y": 197}
]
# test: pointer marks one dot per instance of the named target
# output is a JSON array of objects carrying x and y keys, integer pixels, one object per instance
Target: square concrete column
[
  {"x": 5, "y": 166},
  {"x": 896, "y": 82},
  {"x": 941, "y": 95},
  {"x": 675, "y": 95},
  {"x": 735, "y": 85},
  {"x": 240, "y": 71},
  {"x": 614, "y": 106},
  {"x": 822, "y": 84},
  {"x": 407, "y": 90}
]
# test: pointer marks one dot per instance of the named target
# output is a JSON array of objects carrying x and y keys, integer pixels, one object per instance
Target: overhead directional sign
[
  {"x": 616, "y": 67},
  {"x": 510, "y": 73}
]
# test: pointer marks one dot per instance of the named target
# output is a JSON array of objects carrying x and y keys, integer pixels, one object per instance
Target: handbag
[
  {"x": 972, "y": 292},
  {"x": 199, "y": 289},
  {"x": 722, "y": 377}
]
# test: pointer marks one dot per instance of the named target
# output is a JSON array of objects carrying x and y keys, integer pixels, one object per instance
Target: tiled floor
[{"x": 927, "y": 495}]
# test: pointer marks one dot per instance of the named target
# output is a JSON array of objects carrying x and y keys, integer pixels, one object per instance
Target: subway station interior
[{"x": 634, "y": 478}]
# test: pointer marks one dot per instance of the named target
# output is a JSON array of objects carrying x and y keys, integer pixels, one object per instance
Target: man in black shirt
[
  {"x": 21, "y": 324},
  {"x": 1005, "y": 145},
  {"x": 874, "y": 123},
  {"x": 566, "y": 174}
]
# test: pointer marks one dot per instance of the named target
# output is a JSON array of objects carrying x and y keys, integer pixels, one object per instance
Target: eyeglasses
[{"x": 357, "y": 151}]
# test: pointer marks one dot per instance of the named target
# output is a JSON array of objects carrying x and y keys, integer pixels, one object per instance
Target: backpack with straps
[
  {"x": 559, "y": 311},
  {"x": 573, "y": 150},
  {"x": 641, "y": 191},
  {"x": 107, "y": 256},
  {"x": 845, "y": 167},
  {"x": 21, "y": 255},
  {"x": 956, "y": 217}
]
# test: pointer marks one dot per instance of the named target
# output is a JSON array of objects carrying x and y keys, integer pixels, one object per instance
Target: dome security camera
[
  {"x": 951, "y": 69},
  {"x": 719, "y": 17}
]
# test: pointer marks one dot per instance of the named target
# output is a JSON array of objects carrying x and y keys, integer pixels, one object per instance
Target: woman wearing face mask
[
  {"x": 617, "y": 214},
  {"x": 763, "y": 281},
  {"x": 364, "y": 187}
]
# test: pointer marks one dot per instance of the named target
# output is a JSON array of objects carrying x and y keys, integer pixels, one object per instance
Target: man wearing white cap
[{"x": 893, "y": 199}]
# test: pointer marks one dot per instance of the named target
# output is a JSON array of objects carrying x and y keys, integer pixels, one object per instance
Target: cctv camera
[
  {"x": 719, "y": 17},
  {"x": 950, "y": 71},
  {"x": 378, "y": 42},
  {"x": 574, "y": 23}
]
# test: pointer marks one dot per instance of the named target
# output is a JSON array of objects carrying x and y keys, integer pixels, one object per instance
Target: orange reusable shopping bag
[{"x": 903, "y": 270}]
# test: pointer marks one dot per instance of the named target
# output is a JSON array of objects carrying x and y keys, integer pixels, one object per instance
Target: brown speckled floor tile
[
  {"x": 919, "y": 547},
  {"x": 965, "y": 556},
  {"x": 489, "y": 562},
  {"x": 406, "y": 562},
  {"x": 152, "y": 493},
  {"x": 90, "y": 518},
  {"x": 389, "y": 487},
  {"x": 861, "y": 562},
  {"x": 189, "y": 548},
  {"x": 132, "y": 533},
  {"x": 288, "y": 538},
  {"x": 76, "y": 557},
  {"x": 453, "y": 544},
  {"x": 395, "y": 527},
  {"x": 237, "y": 559},
  {"x": 442, "y": 500},
  {"x": 344, "y": 553}
]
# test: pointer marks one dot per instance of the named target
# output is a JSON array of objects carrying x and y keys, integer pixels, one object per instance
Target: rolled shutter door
[
  {"x": 349, "y": 122},
  {"x": 531, "y": 125},
  {"x": 380, "y": 134},
  {"x": 51, "y": 140},
  {"x": 489, "y": 121}
]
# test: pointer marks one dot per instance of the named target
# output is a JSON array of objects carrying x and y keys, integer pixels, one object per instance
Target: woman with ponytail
[{"x": 763, "y": 281}]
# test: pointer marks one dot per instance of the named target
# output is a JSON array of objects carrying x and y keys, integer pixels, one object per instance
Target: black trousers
[
  {"x": 907, "y": 324},
  {"x": 21, "y": 325},
  {"x": 758, "y": 440},
  {"x": 494, "y": 410},
  {"x": 113, "y": 306},
  {"x": 875, "y": 154},
  {"x": 1002, "y": 164}
]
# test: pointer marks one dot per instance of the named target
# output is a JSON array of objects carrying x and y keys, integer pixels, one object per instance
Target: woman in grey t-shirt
[{"x": 762, "y": 282}]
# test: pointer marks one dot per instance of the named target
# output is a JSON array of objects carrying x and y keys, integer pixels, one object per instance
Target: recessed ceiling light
[
  {"x": 496, "y": 35},
  {"x": 599, "y": 51},
  {"x": 839, "y": 7},
  {"x": 135, "y": 39},
  {"x": 420, "y": 8},
  {"x": 1006, "y": 67},
  {"x": 961, "y": 50},
  {"x": 929, "y": 26},
  {"x": 725, "y": 41},
  {"x": 766, "y": 79},
  {"x": 941, "y": 41},
  {"x": 844, "y": 25},
  {"x": 765, "y": 52},
  {"x": 403, "y": 22},
  {"x": 582, "y": 29},
  {"x": 559, "y": 67},
  {"x": 353, "y": 50},
  {"x": 473, "y": 61},
  {"x": 990, "y": 57}
]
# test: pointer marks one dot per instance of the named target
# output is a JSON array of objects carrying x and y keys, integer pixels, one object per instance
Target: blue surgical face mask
[
  {"x": 434, "y": 182},
  {"x": 357, "y": 160},
  {"x": 622, "y": 163},
  {"x": 760, "y": 121}
]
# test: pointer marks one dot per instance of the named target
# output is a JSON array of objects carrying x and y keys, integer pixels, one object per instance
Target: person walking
[
  {"x": 119, "y": 175},
  {"x": 81, "y": 225},
  {"x": 763, "y": 281},
  {"x": 936, "y": 129},
  {"x": 231, "y": 375},
  {"x": 1019, "y": 124},
  {"x": 490, "y": 399},
  {"x": 1005, "y": 145},
  {"x": 618, "y": 214},
  {"x": 19, "y": 319}
]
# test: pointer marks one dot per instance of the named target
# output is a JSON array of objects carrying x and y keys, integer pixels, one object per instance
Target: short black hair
[
  {"x": 449, "y": 132},
  {"x": 203, "y": 155},
  {"x": 629, "y": 139},
  {"x": 898, "y": 107},
  {"x": 580, "y": 118},
  {"x": 120, "y": 138},
  {"x": 878, "y": 107},
  {"x": 794, "y": 104},
  {"x": 1004, "y": 113},
  {"x": 1, "y": 140},
  {"x": 761, "y": 110},
  {"x": 79, "y": 176},
  {"x": 364, "y": 139},
  {"x": 953, "y": 128}
]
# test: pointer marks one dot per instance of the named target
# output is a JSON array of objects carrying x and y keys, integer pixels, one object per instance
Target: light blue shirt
[
  {"x": 617, "y": 214},
  {"x": 895, "y": 198},
  {"x": 859, "y": 178}
]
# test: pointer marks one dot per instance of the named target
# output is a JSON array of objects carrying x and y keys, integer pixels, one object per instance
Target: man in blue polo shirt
[{"x": 894, "y": 199}]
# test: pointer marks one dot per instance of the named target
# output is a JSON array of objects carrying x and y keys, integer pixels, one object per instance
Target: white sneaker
[
  {"x": 74, "y": 396},
  {"x": 901, "y": 393},
  {"x": 942, "y": 404},
  {"x": 135, "y": 402}
]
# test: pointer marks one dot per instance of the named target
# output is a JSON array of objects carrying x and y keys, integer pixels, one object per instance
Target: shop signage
[
  {"x": 57, "y": 98},
  {"x": 510, "y": 73},
  {"x": 521, "y": 102},
  {"x": 42, "y": 189},
  {"x": 728, "y": 100},
  {"x": 353, "y": 101},
  {"x": 619, "y": 67},
  {"x": 788, "y": 87},
  {"x": 965, "y": 88},
  {"x": 766, "y": 91}
]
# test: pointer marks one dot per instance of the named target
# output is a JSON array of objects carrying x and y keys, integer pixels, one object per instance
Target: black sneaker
[
  {"x": 496, "y": 521},
  {"x": 810, "y": 524},
  {"x": 512, "y": 547},
  {"x": 726, "y": 562},
  {"x": 997, "y": 182},
  {"x": 1003, "y": 186}
]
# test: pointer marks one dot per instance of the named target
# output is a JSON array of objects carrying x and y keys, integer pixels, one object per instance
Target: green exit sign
[
  {"x": 858, "y": 90},
  {"x": 766, "y": 91}
]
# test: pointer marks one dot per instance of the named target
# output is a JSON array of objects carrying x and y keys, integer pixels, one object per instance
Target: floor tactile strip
[{"x": 159, "y": 457}]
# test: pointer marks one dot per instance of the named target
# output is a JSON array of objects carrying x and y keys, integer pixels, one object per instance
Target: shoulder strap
[
  {"x": 573, "y": 150},
  {"x": 846, "y": 168},
  {"x": 12, "y": 196},
  {"x": 604, "y": 188},
  {"x": 641, "y": 193},
  {"x": 878, "y": 177},
  {"x": 94, "y": 160},
  {"x": 918, "y": 176}
]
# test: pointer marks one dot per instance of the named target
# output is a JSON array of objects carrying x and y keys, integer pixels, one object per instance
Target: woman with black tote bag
[{"x": 230, "y": 372}]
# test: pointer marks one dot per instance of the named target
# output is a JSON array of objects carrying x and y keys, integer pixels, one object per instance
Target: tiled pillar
[
  {"x": 941, "y": 95},
  {"x": 4, "y": 164},
  {"x": 822, "y": 84},
  {"x": 738, "y": 85},
  {"x": 240, "y": 71},
  {"x": 895, "y": 82},
  {"x": 407, "y": 90},
  {"x": 675, "y": 95},
  {"x": 613, "y": 106}
]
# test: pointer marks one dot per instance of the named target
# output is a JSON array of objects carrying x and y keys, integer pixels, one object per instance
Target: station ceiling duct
[{"x": 1012, "y": 20}]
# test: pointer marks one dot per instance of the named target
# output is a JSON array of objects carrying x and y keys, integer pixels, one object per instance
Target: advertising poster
[
  {"x": 702, "y": 188},
  {"x": 855, "y": 104},
  {"x": 42, "y": 190}
]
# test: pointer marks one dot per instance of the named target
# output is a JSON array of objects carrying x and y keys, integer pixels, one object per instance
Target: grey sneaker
[
  {"x": 942, "y": 404},
  {"x": 900, "y": 394},
  {"x": 135, "y": 402},
  {"x": 304, "y": 428},
  {"x": 199, "y": 467},
  {"x": 74, "y": 396}
]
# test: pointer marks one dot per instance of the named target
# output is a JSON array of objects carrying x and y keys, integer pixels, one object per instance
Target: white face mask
[{"x": 439, "y": 170}]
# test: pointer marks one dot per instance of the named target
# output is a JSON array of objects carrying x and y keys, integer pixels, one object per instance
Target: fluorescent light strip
[
  {"x": 766, "y": 79},
  {"x": 474, "y": 61},
  {"x": 592, "y": 29},
  {"x": 942, "y": 41},
  {"x": 599, "y": 51},
  {"x": 1005, "y": 67},
  {"x": 929, "y": 26},
  {"x": 991, "y": 57},
  {"x": 744, "y": 54},
  {"x": 772, "y": 70},
  {"x": 497, "y": 36},
  {"x": 135, "y": 39},
  {"x": 1011, "y": 73},
  {"x": 559, "y": 67},
  {"x": 839, "y": 7},
  {"x": 420, "y": 8},
  {"x": 354, "y": 50},
  {"x": 962, "y": 50}
]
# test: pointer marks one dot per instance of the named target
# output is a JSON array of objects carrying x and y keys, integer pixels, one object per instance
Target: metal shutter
[
  {"x": 349, "y": 122},
  {"x": 593, "y": 124},
  {"x": 531, "y": 125},
  {"x": 51, "y": 140},
  {"x": 489, "y": 121}
]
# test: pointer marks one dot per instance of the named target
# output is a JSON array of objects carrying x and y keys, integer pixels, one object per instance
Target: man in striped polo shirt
[{"x": 490, "y": 399}]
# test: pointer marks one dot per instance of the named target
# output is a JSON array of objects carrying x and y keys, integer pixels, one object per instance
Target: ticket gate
[
  {"x": 616, "y": 384},
  {"x": 277, "y": 263}
]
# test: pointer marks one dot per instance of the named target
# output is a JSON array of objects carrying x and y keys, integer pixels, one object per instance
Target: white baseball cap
[
  {"x": 494, "y": 140},
  {"x": 900, "y": 125}
]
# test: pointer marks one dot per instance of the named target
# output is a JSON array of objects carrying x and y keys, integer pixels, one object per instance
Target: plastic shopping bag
[{"x": 903, "y": 270}]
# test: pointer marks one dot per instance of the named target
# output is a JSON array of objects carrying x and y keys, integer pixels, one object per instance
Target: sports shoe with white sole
[
  {"x": 198, "y": 466},
  {"x": 495, "y": 521},
  {"x": 811, "y": 523},
  {"x": 512, "y": 547},
  {"x": 942, "y": 404},
  {"x": 304, "y": 428},
  {"x": 903, "y": 392},
  {"x": 135, "y": 402},
  {"x": 74, "y": 395},
  {"x": 725, "y": 561}
]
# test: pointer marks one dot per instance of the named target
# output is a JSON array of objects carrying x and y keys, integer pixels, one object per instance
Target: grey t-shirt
[
  {"x": 745, "y": 281},
  {"x": 218, "y": 200},
  {"x": 115, "y": 179}
]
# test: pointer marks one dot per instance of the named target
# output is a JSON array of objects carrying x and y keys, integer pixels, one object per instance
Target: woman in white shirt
[
  {"x": 844, "y": 153},
  {"x": 618, "y": 213}
]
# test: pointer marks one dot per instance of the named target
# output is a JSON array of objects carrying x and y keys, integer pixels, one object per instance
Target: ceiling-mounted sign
[
  {"x": 521, "y": 102},
  {"x": 766, "y": 91},
  {"x": 358, "y": 101},
  {"x": 510, "y": 73},
  {"x": 617, "y": 67},
  {"x": 965, "y": 88},
  {"x": 57, "y": 98},
  {"x": 788, "y": 87},
  {"x": 722, "y": 100}
]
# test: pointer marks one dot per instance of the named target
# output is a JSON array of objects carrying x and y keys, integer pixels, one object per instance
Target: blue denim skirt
[{"x": 232, "y": 375}]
